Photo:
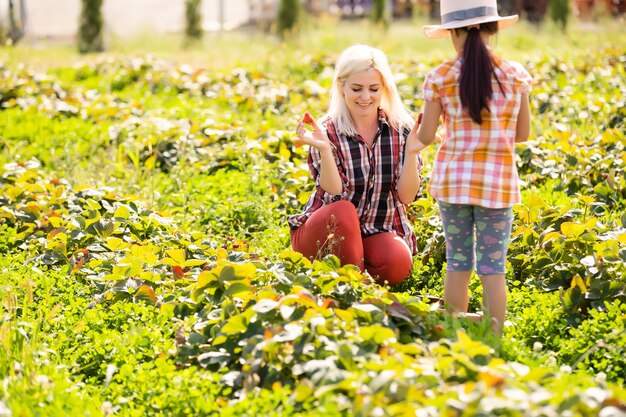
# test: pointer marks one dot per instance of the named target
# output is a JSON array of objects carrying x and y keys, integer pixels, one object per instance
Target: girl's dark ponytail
[{"x": 476, "y": 72}]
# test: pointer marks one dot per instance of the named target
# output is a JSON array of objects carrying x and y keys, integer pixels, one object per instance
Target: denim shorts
[{"x": 476, "y": 234}]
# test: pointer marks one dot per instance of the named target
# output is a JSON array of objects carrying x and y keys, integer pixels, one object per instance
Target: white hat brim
[{"x": 441, "y": 31}]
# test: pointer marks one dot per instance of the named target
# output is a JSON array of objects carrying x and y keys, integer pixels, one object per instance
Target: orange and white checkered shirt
[{"x": 475, "y": 164}]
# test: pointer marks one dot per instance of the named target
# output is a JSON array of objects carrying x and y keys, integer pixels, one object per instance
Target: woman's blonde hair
[{"x": 359, "y": 58}]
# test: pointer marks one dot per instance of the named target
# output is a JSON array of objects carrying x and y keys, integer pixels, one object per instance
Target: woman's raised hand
[
  {"x": 314, "y": 137},
  {"x": 413, "y": 144}
]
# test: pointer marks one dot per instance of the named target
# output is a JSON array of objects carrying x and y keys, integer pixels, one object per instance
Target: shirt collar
[{"x": 382, "y": 117}]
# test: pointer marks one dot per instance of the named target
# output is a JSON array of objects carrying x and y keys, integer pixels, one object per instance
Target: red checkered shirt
[
  {"x": 369, "y": 177},
  {"x": 475, "y": 164}
]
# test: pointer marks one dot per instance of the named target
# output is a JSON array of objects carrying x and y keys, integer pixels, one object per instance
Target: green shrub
[
  {"x": 90, "y": 27},
  {"x": 540, "y": 320},
  {"x": 599, "y": 344}
]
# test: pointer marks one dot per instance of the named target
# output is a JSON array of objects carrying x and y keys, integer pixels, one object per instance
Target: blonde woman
[{"x": 364, "y": 177}]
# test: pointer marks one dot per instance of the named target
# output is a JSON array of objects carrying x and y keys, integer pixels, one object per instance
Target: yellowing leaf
[
  {"x": 55, "y": 221},
  {"x": 379, "y": 334},
  {"x": 205, "y": 278},
  {"x": 193, "y": 262},
  {"x": 150, "y": 163},
  {"x": 146, "y": 294},
  {"x": 591, "y": 223},
  {"x": 283, "y": 151},
  {"x": 607, "y": 249},
  {"x": 235, "y": 324},
  {"x": 122, "y": 212},
  {"x": 303, "y": 198},
  {"x": 345, "y": 315},
  {"x": 571, "y": 229},
  {"x": 577, "y": 281},
  {"x": 221, "y": 253},
  {"x": 145, "y": 252},
  {"x": 551, "y": 236},
  {"x": 176, "y": 257},
  {"x": 115, "y": 244},
  {"x": 490, "y": 379}
]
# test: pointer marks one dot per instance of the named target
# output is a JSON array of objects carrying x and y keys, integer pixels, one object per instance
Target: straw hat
[{"x": 462, "y": 13}]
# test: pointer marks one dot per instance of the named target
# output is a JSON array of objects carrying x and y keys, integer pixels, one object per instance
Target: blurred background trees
[
  {"x": 287, "y": 19},
  {"x": 559, "y": 12},
  {"x": 193, "y": 20},
  {"x": 90, "y": 27},
  {"x": 190, "y": 18},
  {"x": 12, "y": 28}
]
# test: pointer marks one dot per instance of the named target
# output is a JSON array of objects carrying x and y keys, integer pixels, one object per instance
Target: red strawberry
[{"x": 308, "y": 119}]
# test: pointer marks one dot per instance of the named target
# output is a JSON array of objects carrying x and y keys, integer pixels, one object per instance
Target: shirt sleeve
[
  {"x": 314, "y": 168},
  {"x": 430, "y": 89}
]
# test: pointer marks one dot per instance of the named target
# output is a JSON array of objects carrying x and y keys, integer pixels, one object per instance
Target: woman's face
[{"x": 363, "y": 92}]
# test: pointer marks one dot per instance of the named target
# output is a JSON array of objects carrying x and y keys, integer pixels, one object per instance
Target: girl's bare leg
[{"x": 494, "y": 300}]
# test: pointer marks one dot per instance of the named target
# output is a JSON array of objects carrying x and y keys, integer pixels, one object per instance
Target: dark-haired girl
[{"x": 483, "y": 99}]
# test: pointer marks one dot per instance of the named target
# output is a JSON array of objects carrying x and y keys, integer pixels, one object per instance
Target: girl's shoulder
[
  {"x": 443, "y": 74},
  {"x": 513, "y": 68},
  {"x": 451, "y": 65}
]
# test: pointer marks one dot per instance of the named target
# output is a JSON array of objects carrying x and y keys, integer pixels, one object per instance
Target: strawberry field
[{"x": 145, "y": 267}]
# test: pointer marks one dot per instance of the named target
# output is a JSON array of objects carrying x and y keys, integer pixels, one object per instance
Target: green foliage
[
  {"x": 193, "y": 20},
  {"x": 288, "y": 15},
  {"x": 90, "y": 37},
  {"x": 598, "y": 345},
  {"x": 541, "y": 323},
  {"x": 142, "y": 228},
  {"x": 584, "y": 259}
]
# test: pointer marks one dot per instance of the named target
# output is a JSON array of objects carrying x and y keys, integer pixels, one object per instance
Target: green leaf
[
  {"x": 235, "y": 324},
  {"x": 104, "y": 228},
  {"x": 237, "y": 288},
  {"x": 227, "y": 274},
  {"x": 377, "y": 333},
  {"x": 93, "y": 204}
]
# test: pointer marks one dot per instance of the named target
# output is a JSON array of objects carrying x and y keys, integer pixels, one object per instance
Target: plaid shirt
[
  {"x": 475, "y": 163},
  {"x": 369, "y": 177}
]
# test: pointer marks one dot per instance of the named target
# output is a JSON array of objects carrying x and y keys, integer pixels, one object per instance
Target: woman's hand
[
  {"x": 315, "y": 137},
  {"x": 413, "y": 144}
]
